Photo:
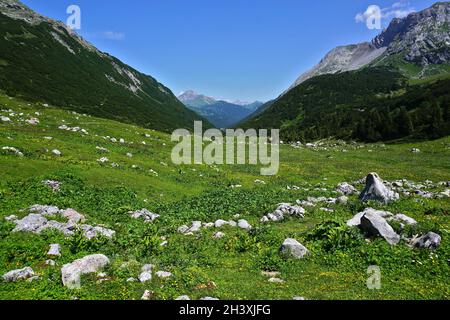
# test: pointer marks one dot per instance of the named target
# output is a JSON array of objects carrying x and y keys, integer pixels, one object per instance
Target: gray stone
[
  {"x": 376, "y": 225},
  {"x": 55, "y": 250},
  {"x": 72, "y": 272},
  {"x": 243, "y": 224},
  {"x": 402, "y": 218},
  {"x": 183, "y": 298},
  {"x": 293, "y": 248},
  {"x": 429, "y": 241},
  {"x": 73, "y": 216},
  {"x": 342, "y": 200},
  {"x": 145, "y": 214},
  {"x": 31, "y": 223},
  {"x": 163, "y": 274},
  {"x": 147, "y": 295},
  {"x": 218, "y": 235},
  {"x": 346, "y": 189},
  {"x": 19, "y": 274},
  {"x": 209, "y": 299},
  {"x": 376, "y": 190},
  {"x": 356, "y": 220}
]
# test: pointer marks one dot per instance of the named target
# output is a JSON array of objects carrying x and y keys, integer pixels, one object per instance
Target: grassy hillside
[
  {"x": 45, "y": 63},
  {"x": 373, "y": 104},
  {"x": 227, "y": 268}
]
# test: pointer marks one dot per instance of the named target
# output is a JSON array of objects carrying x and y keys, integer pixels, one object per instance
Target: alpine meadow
[{"x": 341, "y": 193}]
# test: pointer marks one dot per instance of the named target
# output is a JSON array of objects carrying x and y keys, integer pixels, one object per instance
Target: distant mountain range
[
  {"x": 396, "y": 86},
  {"x": 222, "y": 114},
  {"x": 44, "y": 61}
]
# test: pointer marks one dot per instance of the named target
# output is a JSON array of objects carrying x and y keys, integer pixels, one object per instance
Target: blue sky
[{"x": 230, "y": 49}]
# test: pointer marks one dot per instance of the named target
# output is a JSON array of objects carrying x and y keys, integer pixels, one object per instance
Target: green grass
[{"x": 181, "y": 195}]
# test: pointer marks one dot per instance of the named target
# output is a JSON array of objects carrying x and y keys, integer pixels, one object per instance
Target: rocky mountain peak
[{"x": 422, "y": 37}]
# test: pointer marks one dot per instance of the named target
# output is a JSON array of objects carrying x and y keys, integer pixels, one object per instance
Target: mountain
[
  {"x": 222, "y": 114},
  {"x": 416, "y": 42},
  {"x": 403, "y": 92},
  {"x": 195, "y": 100},
  {"x": 42, "y": 60}
]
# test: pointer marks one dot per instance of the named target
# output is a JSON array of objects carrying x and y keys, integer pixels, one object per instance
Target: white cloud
[{"x": 398, "y": 9}]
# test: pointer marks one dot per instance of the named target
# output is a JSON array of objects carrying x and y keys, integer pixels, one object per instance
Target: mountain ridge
[
  {"x": 44, "y": 60},
  {"x": 402, "y": 36}
]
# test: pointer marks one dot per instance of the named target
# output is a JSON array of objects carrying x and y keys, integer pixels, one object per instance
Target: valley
[{"x": 113, "y": 188}]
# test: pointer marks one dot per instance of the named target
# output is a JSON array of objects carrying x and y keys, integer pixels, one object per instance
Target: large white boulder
[
  {"x": 293, "y": 248},
  {"x": 71, "y": 272},
  {"x": 376, "y": 225}
]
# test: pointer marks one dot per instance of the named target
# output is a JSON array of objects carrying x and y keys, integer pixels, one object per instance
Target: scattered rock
[
  {"x": 147, "y": 295},
  {"x": 270, "y": 274},
  {"x": 56, "y": 152},
  {"x": 52, "y": 184},
  {"x": 298, "y": 298},
  {"x": 146, "y": 273},
  {"x": 73, "y": 216},
  {"x": 13, "y": 150},
  {"x": 356, "y": 220},
  {"x": 11, "y": 218},
  {"x": 243, "y": 224},
  {"x": 218, "y": 235},
  {"x": 376, "y": 225},
  {"x": 415, "y": 150},
  {"x": 342, "y": 200},
  {"x": 91, "y": 232},
  {"x": 50, "y": 262},
  {"x": 19, "y": 274},
  {"x": 376, "y": 190},
  {"x": 404, "y": 219},
  {"x": 276, "y": 280},
  {"x": 346, "y": 189},
  {"x": 144, "y": 213},
  {"x": 32, "y": 121},
  {"x": 72, "y": 272},
  {"x": 163, "y": 274},
  {"x": 55, "y": 250},
  {"x": 209, "y": 299},
  {"x": 183, "y": 298},
  {"x": 293, "y": 248},
  {"x": 429, "y": 241}
]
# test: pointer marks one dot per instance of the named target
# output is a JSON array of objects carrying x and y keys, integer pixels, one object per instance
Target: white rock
[
  {"x": 218, "y": 235},
  {"x": 356, "y": 220},
  {"x": 56, "y": 152},
  {"x": 19, "y": 274},
  {"x": 376, "y": 190},
  {"x": 55, "y": 250},
  {"x": 243, "y": 224},
  {"x": 376, "y": 225},
  {"x": 147, "y": 295},
  {"x": 163, "y": 274},
  {"x": 72, "y": 272},
  {"x": 293, "y": 248},
  {"x": 183, "y": 298}
]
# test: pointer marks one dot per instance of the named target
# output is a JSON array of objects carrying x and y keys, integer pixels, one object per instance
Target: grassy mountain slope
[
  {"x": 371, "y": 104},
  {"x": 45, "y": 62},
  {"x": 181, "y": 194}
]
